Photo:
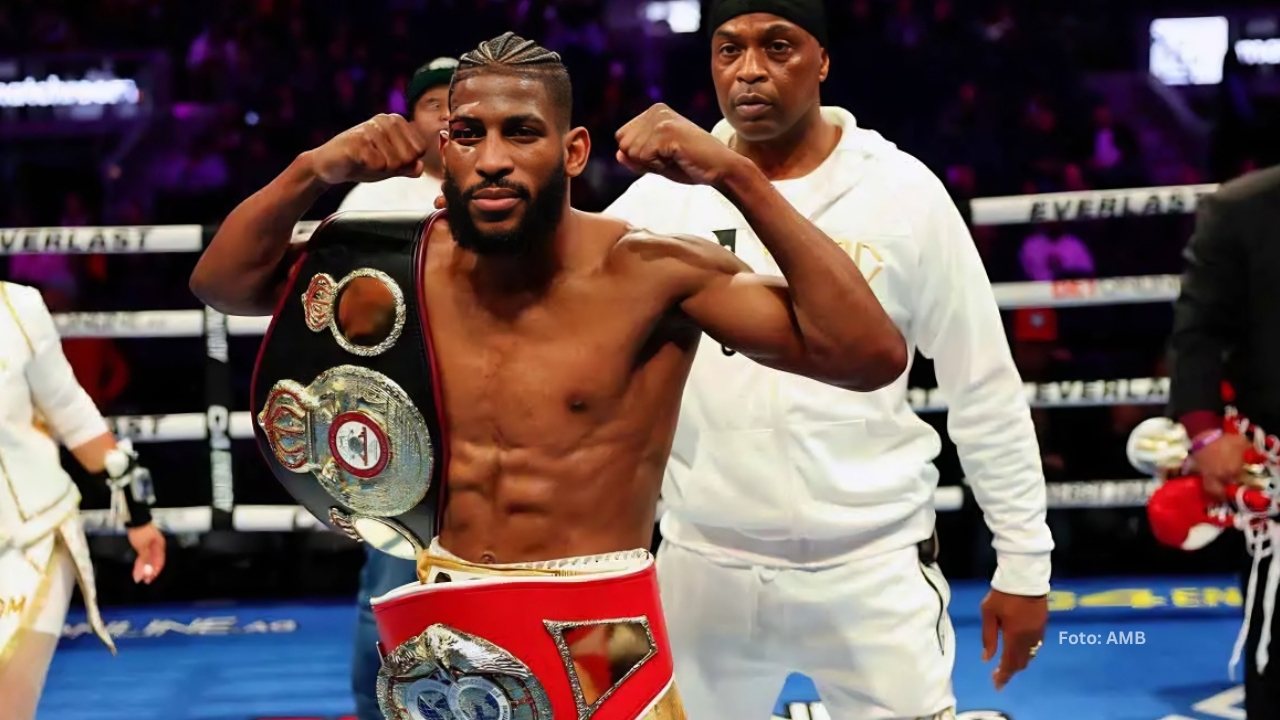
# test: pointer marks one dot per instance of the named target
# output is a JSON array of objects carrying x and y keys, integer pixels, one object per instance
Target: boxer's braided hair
[{"x": 511, "y": 54}]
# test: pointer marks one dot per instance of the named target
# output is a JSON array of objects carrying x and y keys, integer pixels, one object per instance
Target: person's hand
[
  {"x": 1221, "y": 462},
  {"x": 663, "y": 142},
  {"x": 382, "y": 147},
  {"x": 148, "y": 542},
  {"x": 1021, "y": 620}
]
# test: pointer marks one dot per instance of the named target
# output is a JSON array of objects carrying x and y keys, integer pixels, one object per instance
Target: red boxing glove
[
  {"x": 1252, "y": 498},
  {"x": 1183, "y": 516}
]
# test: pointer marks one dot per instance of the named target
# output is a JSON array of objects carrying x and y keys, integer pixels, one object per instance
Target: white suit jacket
[{"x": 41, "y": 406}]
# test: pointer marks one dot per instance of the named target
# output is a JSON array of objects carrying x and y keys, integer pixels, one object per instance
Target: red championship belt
[{"x": 528, "y": 648}]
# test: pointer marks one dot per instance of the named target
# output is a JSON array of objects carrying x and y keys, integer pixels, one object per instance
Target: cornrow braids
[
  {"x": 513, "y": 55},
  {"x": 509, "y": 49}
]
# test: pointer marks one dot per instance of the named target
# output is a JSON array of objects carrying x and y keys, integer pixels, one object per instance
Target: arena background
[{"x": 142, "y": 122}]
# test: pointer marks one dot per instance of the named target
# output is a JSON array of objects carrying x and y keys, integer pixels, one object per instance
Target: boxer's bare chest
[{"x": 543, "y": 369}]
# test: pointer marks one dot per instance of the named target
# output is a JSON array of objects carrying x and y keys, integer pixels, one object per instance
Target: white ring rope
[
  {"x": 1092, "y": 494},
  {"x": 1088, "y": 292},
  {"x": 1008, "y": 210},
  {"x": 115, "y": 240},
  {"x": 153, "y": 323},
  {"x": 177, "y": 427},
  {"x": 1009, "y": 296},
  {"x": 118, "y": 240},
  {"x": 1013, "y": 210}
]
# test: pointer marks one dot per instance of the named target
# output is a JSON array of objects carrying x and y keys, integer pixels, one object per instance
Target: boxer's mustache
[{"x": 499, "y": 184}]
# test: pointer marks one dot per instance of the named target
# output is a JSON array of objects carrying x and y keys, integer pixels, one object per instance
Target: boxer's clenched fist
[
  {"x": 663, "y": 142},
  {"x": 382, "y": 147}
]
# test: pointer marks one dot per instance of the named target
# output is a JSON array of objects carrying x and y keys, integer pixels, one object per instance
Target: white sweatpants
[{"x": 873, "y": 635}]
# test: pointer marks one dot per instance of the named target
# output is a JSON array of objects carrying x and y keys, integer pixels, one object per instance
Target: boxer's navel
[{"x": 488, "y": 558}]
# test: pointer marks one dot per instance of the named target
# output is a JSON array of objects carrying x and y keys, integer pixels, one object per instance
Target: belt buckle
[{"x": 447, "y": 673}]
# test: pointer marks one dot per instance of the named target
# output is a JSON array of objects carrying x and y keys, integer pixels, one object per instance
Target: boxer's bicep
[
  {"x": 743, "y": 311},
  {"x": 753, "y": 315}
]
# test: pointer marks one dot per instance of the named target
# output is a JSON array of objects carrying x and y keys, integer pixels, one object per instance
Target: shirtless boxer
[{"x": 563, "y": 339}]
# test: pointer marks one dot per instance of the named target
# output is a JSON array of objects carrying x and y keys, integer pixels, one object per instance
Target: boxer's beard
[{"x": 543, "y": 210}]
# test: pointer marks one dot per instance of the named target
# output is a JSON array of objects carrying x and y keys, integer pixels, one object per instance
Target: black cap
[
  {"x": 434, "y": 74},
  {"x": 808, "y": 14}
]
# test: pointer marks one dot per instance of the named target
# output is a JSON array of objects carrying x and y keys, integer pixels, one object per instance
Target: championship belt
[
  {"x": 536, "y": 643},
  {"x": 345, "y": 392}
]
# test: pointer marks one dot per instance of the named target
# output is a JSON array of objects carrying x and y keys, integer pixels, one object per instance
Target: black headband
[{"x": 808, "y": 14}]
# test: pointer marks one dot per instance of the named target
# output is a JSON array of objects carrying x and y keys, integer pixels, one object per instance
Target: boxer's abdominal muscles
[{"x": 560, "y": 419}]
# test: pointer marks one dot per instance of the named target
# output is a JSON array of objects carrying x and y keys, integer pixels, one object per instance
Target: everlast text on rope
[
  {"x": 136, "y": 427},
  {"x": 73, "y": 240},
  {"x": 1079, "y": 392},
  {"x": 1139, "y": 391},
  {"x": 1115, "y": 205}
]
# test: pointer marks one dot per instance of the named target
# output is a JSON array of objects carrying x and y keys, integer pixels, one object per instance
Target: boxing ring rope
[
  {"x": 219, "y": 425},
  {"x": 1087, "y": 205},
  {"x": 1009, "y": 296}
]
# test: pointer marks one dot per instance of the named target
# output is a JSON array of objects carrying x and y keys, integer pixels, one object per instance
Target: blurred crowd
[
  {"x": 988, "y": 93},
  {"x": 991, "y": 94}
]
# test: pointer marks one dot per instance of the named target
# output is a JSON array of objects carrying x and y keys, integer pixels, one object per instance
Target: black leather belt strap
[{"x": 295, "y": 352}]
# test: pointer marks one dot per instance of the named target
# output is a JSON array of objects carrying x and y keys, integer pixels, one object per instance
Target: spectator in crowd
[
  {"x": 1114, "y": 154},
  {"x": 269, "y": 60},
  {"x": 1052, "y": 252}
]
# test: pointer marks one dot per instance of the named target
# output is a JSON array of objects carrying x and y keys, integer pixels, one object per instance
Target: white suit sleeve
[
  {"x": 960, "y": 329},
  {"x": 62, "y": 402}
]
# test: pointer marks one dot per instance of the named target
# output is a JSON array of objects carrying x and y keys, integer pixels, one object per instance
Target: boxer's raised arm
[
  {"x": 846, "y": 332},
  {"x": 244, "y": 269},
  {"x": 835, "y": 326},
  {"x": 757, "y": 315}
]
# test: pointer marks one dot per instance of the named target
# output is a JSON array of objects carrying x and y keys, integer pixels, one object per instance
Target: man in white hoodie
[{"x": 799, "y": 526}]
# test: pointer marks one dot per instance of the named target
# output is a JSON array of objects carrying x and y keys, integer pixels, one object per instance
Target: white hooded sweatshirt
[{"x": 773, "y": 468}]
